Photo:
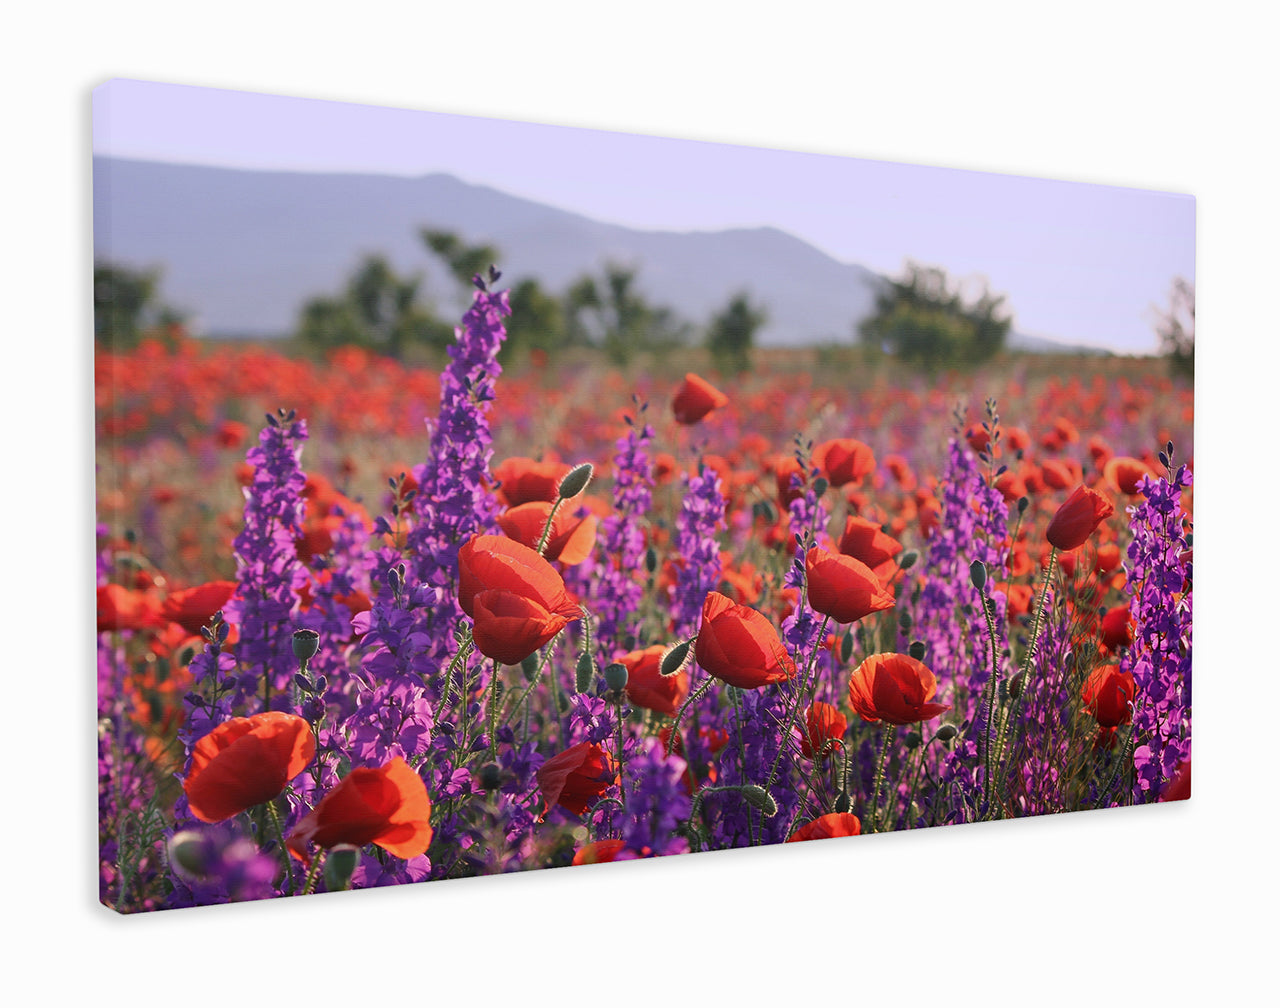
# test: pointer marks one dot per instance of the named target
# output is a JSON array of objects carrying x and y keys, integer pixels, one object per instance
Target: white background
[{"x": 1175, "y": 903}]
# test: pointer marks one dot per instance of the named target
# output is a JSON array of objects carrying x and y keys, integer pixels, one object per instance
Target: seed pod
[
  {"x": 946, "y": 733},
  {"x": 339, "y": 866},
  {"x": 615, "y": 677},
  {"x": 916, "y": 650},
  {"x": 305, "y": 644}
]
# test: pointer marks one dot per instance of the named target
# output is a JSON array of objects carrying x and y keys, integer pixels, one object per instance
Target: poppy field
[{"x": 361, "y": 624}]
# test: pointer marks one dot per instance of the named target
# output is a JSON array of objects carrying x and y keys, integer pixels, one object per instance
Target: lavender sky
[{"x": 1080, "y": 263}]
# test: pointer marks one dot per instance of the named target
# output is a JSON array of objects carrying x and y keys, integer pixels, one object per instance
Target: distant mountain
[{"x": 241, "y": 251}]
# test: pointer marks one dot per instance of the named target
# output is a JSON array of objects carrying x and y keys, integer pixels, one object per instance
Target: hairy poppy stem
[
  {"x": 885, "y": 735},
  {"x": 309, "y": 885},
  {"x": 1024, "y": 671},
  {"x": 693, "y": 697},
  {"x": 546, "y": 528},
  {"x": 274, "y": 815}
]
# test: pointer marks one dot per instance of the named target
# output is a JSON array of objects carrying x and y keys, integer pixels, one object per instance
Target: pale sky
[{"x": 1078, "y": 263}]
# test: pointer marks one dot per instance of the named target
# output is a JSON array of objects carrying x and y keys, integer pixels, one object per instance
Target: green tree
[
  {"x": 611, "y": 314},
  {"x": 922, "y": 319},
  {"x": 536, "y": 321},
  {"x": 1176, "y": 327},
  {"x": 732, "y": 333},
  {"x": 379, "y": 310},
  {"x": 464, "y": 261},
  {"x": 125, "y": 305}
]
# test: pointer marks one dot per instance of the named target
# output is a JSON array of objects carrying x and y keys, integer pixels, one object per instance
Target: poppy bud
[
  {"x": 842, "y": 802},
  {"x": 674, "y": 660},
  {"x": 909, "y": 559},
  {"x": 305, "y": 644},
  {"x": 916, "y": 650},
  {"x": 1015, "y": 686},
  {"x": 978, "y": 574},
  {"x": 585, "y": 670},
  {"x": 188, "y": 850},
  {"x": 615, "y": 677},
  {"x": 757, "y": 797},
  {"x": 820, "y": 486},
  {"x": 905, "y": 621},
  {"x": 529, "y": 666},
  {"x": 490, "y": 777},
  {"x": 913, "y": 741},
  {"x": 339, "y": 866},
  {"x": 946, "y": 733},
  {"x": 651, "y": 560},
  {"x": 575, "y": 480},
  {"x": 1023, "y": 504},
  {"x": 846, "y": 647}
]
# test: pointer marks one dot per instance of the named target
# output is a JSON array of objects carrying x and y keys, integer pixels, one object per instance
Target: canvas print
[{"x": 479, "y": 496}]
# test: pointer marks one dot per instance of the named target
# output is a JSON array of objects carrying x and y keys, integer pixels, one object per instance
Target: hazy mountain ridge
[{"x": 243, "y": 250}]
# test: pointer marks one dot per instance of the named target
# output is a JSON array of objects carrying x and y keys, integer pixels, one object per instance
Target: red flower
[
  {"x": 833, "y": 824},
  {"x": 894, "y": 688},
  {"x": 1179, "y": 787},
  {"x": 1077, "y": 519},
  {"x": 245, "y": 762},
  {"x": 1117, "y": 628},
  {"x": 575, "y": 778},
  {"x": 648, "y": 688},
  {"x": 486, "y": 562},
  {"x": 192, "y": 608},
  {"x": 824, "y": 730},
  {"x": 571, "y": 539},
  {"x": 843, "y": 588},
  {"x": 121, "y": 608},
  {"x": 231, "y": 434},
  {"x": 863, "y": 540},
  {"x": 386, "y": 805},
  {"x": 1124, "y": 473},
  {"x": 522, "y": 480},
  {"x": 738, "y": 645},
  {"x": 508, "y": 627},
  {"x": 844, "y": 460},
  {"x": 695, "y": 398},
  {"x": 599, "y": 852},
  {"x": 1107, "y": 694}
]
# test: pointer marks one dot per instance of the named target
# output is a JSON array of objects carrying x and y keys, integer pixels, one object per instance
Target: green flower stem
[
  {"x": 274, "y": 815},
  {"x": 886, "y": 733},
  {"x": 693, "y": 697},
  {"x": 1024, "y": 670},
  {"x": 546, "y": 528},
  {"x": 622, "y": 790},
  {"x": 309, "y": 885}
]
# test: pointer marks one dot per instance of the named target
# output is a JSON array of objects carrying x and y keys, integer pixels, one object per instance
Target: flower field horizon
[{"x": 365, "y": 624}]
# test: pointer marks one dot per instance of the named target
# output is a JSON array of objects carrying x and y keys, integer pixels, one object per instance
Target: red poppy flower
[
  {"x": 1117, "y": 628},
  {"x": 864, "y": 540},
  {"x": 739, "y": 645},
  {"x": 571, "y": 539},
  {"x": 1179, "y": 786},
  {"x": 785, "y": 469},
  {"x": 1124, "y": 473},
  {"x": 1077, "y": 519},
  {"x": 486, "y": 562},
  {"x": 192, "y": 608},
  {"x": 245, "y": 762},
  {"x": 894, "y": 688},
  {"x": 508, "y": 627},
  {"x": 231, "y": 434},
  {"x": 386, "y": 805},
  {"x": 599, "y": 852},
  {"x": 575, "y": 778},
  {"x": 121, "y": 608},
  {"x": 695, "y": 398},
  {"x": 824, "y": 730},
  {"x": 648, "y": 688},
  {"x": 522, "y": 480},
  {"x": 1107, "y": 694},
  {"x": 844, "y": 460},
  {"x": 1057, "y": 475},
  {"x": 843, "y": 588},
  {"x": 833, "y": 824}
]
